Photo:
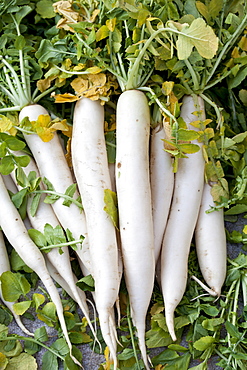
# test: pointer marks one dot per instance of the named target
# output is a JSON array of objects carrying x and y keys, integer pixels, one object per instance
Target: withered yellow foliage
[
  {"x": 92, "y": 86},
  {"x": 70, "y": 16}
]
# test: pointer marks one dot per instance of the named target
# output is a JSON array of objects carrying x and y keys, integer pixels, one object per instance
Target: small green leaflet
[{"x": 110, "y": 199}]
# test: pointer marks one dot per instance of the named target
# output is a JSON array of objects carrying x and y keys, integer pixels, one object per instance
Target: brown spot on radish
[{"x": 119, "y": 165}]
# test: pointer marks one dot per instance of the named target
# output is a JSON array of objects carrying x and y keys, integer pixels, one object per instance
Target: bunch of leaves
[
  {"x": 9, "y": 160},
  {"x": 54, "y": 237},
  {"x": 32, "y": 186}
]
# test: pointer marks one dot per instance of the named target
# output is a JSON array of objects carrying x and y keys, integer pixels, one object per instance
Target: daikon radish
[
  {"x": 188, "y": 188},
  {"x": 90, "y": 164},
  {"x": 135, "y": 205}
]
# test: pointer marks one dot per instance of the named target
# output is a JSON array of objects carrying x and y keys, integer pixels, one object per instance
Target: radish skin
[
  {"x": 52, "y": 164},
  {"x": 188, "y": 188},
  {"x": 5, "y": 266},
  {"x": 91, "y": 170},
  {"x": 135, "y": 206},
  {"x": 210, "y": 242},
  {"x": 16, "y": 232},
  {"x": 162, "y": 182}
]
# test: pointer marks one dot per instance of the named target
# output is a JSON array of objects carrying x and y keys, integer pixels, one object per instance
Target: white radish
[
  {"x": 162, "y": 182},
  {"x": 16, "y": 233},
  {"x": 45, "y": 215},
  {"x": 90, "y": 164},
  {"x": 52, "y": 164},
  {"x": 210, "y": 242},
  {"x": 135, "y": 205},
  {"x": 188, "y": 188},
  {"x": 5, "y": 266}
]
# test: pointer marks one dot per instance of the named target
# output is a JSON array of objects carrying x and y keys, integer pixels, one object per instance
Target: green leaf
[
  {"x": 189, "y": 148},
  {"x": 7, "y": 165},
  {"x": 48, "y": 314},
  {"x": 177, "y": 347},
  {"x": 38, "y": 299},
  {"x": 17, "y": 264},
  {"x": 22, "y": 12},
  {"x": 49, "y": 361},
  {"x": 37, "y": 237},
  {"x": 45, "y": 9},
  {"x": 198, "y": 35},
  {"x": 61, "y": 346},
  {"x": 19, "y": 197},
  {"x": 70, "y": 191},
  {"x": 21, "y": 307},
  {"x": 86, "y": 283},
  {"x": 187, "y": 135},
  {"x": 232, "y": 330},
  {"x": 110, "y": 199},
  {"x": 14, "y": 143},
  {"x": 13, "y": 286},
  {"x": 22, "y": 160},
  {"x": 11, "y": 349},
  {"x": 22, "y": 362},
  {"x": 237, "y": 209},
  {"x": 41, "y": 335},
  {"x": 20, "y": 42},
  {"x": 202, "y": 366},
  {"x": 3, "y": 361},
  {"x": 203, "y": 343},
  {"x": 164, "y": 357},
  {"x": 211, "y": 324}
]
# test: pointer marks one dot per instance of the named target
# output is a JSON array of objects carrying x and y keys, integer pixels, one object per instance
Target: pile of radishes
[{"x": 159, "y": 212}]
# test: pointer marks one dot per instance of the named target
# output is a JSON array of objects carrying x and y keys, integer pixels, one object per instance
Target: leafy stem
[
  {"x": 27, "y": 339},
  {"x": 61, "y": 195},
  {"x": 132, "y": 336},
  {"x": 60, "y": 245},
  {"x": 227, "y": 45}
]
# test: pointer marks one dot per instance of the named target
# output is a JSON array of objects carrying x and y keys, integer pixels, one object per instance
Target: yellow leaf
[
  {"x": 109, "y": 362},
  {"x": 94, "y": 15},
  {"x": 199, "y": 35},
  {"x": 3, "y": 361},
  {"x": 102, "y": 33},
  {"x": 111, "y": 23},
  {"x": 167, "y": 87},
  {"x": 68, "y": 13},
  {"x": 65, "y": 98},
  {"x": 7, "y": 125},
  {"x": 93, "y": 70}
]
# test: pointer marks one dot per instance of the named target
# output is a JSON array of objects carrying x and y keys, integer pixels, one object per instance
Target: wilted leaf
[
  {"x": 198, "y": 35},
  {"x": 110, "y": 199}
]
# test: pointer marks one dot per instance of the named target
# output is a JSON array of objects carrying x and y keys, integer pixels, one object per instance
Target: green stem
[
  {"x": 25, "y": 84},
  {"x": 61, "y": 195},
  {"x": 229, "y": 43},
  {"x": 15, "y": 337},
  {"x": 216, "y": 108},
  {"x": 40, "y": 96},
  {"x": 158, "y": 102},
  {"x": 193, "y": 74},
  {"x": 132, "y": 336},
  {"x": 136, "y": 65},
  {"x": 60, "y": 245}
]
